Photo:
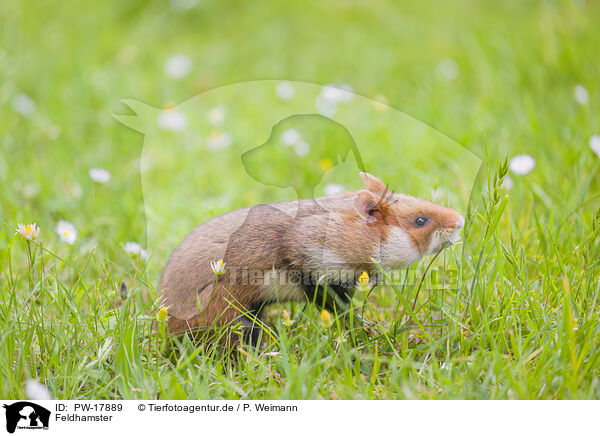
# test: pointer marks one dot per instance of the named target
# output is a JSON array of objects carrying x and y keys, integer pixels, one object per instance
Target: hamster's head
[{"x": 409, "y": 227}]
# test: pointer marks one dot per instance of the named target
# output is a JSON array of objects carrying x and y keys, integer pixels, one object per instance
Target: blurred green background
[{"x": 501, "y": 74}]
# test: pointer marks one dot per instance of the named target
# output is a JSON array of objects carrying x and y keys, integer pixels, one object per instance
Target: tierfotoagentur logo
[
  {"x": 435, "y": 278},
  {"x": 26, "y": 415}
]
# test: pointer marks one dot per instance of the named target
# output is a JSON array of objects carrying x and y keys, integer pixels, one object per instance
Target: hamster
[{"x": 286, "y": 251}]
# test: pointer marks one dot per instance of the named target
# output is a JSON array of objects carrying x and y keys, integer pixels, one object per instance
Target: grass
[{"x": 518, "y": 316}]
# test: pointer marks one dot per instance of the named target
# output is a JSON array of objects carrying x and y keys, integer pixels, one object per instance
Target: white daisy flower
[
  {"x": 23, "y": 104},
  {"x": 172, "y": 120},
  {"x": 99, "y": 175},
  {"x": 216, "y": 116},
  {"x": 285, "y": 91},
  {"x": 337, "y": 93},
  {"x": 37, "y": 391},
  {"x": 218, "y": 140},
  {"x": 135, "y": 249},
  {"x": 29, "y": 231},
  {"x": 290, "y": 137},
  {"x": 448, "y": 69},
  {"x": 302, "y": 148},
  {"x": 333, "y": 189},
  {"x": 507, "y": 183},
  {"x": 326, "y": 107},
  {"x": 331, "y": 96},
  {"x": 581, "y": 94},
  {"x": 178, "y": 66},
  {"x": 218, "y": 267},
  {"x": 522, "y": 164},
  {"x": 595, "y": 144},
  {"x": 66, "y": 231}
]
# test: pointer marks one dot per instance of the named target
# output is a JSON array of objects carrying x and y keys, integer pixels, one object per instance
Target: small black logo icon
[{"x": 24, "y": 414}]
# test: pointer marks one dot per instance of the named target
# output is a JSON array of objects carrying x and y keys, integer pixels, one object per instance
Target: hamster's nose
[{"x": 460, "y": 222}]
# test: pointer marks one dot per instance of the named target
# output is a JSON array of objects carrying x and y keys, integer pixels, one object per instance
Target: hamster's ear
[
  {"x": 373, "y": 184},
  {"x": 367, "y": 206}
]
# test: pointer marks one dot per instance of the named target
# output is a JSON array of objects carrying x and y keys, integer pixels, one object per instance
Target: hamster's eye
[{"x": 420, "y": 221}]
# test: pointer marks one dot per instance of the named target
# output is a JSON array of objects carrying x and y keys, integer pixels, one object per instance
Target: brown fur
[{"x": 298, "y": 236}]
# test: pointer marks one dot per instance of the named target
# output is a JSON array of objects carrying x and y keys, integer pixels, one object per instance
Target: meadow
[{"x": 121, "y": 128}]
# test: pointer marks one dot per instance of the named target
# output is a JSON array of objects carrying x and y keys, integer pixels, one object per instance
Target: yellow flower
[
  {"x": 161, "y": 314},
  {"x": 364, "y": 278},
  {"x": 325, "y": 164},
  {"x": 326, "y": 319},
  {"x": 218, "y": 267},
  {"x": 29, "y": 231}
]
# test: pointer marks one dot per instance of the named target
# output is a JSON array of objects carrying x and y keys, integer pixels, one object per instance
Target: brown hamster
[{"x": 283, "y": 252}]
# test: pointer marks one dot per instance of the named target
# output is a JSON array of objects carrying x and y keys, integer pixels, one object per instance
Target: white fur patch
[
  {"x": 398, "y": 251},
  {"x": 279, "y": 285},
  {"x": 454, "y": 236},
  {"x": 440, "y": 237},
  {"x": 325, "y": 259},
  {"x": 435, "y": 242}
]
